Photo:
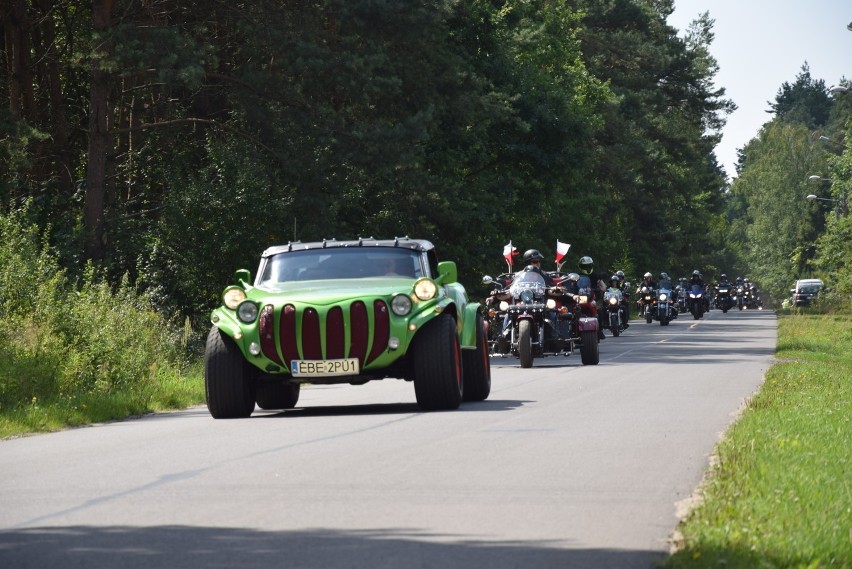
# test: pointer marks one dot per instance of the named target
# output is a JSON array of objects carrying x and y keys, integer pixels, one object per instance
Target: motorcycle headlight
[
  {"x": 663, "y": 297},
  {"x": 401, "y": 304},
  {"x": 526, "y": 296},
  {"x": 425, "y": 289},
  {"x": 613, "y": 301},
  {"x": 233, "y": 296},
  {"x": 583, "y": 299},
  {"x": 247, "y": 311},
  {"x": 551, "y": 304},
  {"x": 504, "y": 306}
]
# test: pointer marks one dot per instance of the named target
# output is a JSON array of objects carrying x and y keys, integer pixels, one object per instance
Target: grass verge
[
  {"x": 171, "y": 390},
  {"x": 780, "y": 492}
]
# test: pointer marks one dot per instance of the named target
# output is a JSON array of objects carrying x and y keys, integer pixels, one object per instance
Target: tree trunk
[{"x": 100, "y": 146}]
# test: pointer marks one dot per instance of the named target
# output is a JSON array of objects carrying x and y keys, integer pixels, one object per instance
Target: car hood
[{"x": 332, "y": 291}]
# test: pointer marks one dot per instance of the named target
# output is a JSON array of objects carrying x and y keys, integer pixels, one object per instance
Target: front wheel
[
  {"x": 476, "y": 367},
  {"x": 437, "y": 365},
  {"x": 229, "y": 381},
  {"x": 525, "y": 353},
  {"x": 589, "y": 352},
  {"x": 613, "y": 325}
]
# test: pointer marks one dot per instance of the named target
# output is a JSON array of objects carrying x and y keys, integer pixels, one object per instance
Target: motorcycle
[
  {"x": 664, "y": 309},
  {"x": 696, "y": 301},
  {"x": 682, "y": 298},
  {"x": 614, "y": 314},
  {"x": 538, "y": 321},
  {"x": 741, "y": 297},
  {"x": 724, "y": 297},
  {"x": 646, "y": 303}
]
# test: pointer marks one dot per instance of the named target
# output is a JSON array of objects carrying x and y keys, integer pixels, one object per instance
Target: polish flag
[
  {"x": 561, "y": 249},
  {"x": 508, "y": 252}
]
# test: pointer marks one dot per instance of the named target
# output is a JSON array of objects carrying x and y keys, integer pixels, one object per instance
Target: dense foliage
[{"x": 174, "y": 141}]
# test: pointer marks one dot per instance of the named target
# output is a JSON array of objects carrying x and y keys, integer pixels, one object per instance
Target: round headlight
[
  {"x": 613, "y": 300},
  {"x": 401, "y": 305},
  {"x": 504, "y": 306},
  {"x": 663, "y": 296},
  {"x": 247, "y": 311},
  {"x": 425, "y": 289},
  {"x": 526, "y": 296},
  {"x": 551, "y": 304},
  {"x": 233, "y": 297}
]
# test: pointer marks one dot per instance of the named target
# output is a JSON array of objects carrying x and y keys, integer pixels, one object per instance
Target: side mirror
[
  {"x": 242, "y": 276},
  {"x": 487, "y": 280},
  {"x": 447, "y": 272}
]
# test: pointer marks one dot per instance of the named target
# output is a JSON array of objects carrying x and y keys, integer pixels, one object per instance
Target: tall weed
[{"x": 80, "y": 351}]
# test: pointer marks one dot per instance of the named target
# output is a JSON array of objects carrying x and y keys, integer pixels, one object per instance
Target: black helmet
[
  {"x": 586, "y": 265},
  {"x": 532, "y": 255}
]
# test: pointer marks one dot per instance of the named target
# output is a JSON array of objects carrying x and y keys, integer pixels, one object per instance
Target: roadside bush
[{"x": 76, "y": 346}]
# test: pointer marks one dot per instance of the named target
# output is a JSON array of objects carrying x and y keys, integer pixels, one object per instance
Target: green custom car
[{"x": 345, "y": 312}]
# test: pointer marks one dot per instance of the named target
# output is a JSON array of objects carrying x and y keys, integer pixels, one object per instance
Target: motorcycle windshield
[
  {"x": 696, "y": 290},
  {"x": 612, "y": 292},
  {"x": 529, "y": 282}
]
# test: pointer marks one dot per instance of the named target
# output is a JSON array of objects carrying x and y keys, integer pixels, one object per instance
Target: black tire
[
  {"x": 277, "y": 394},
  {"x": 696, "y": 314},
  {"x": 649, "y": 317},
  {"x": 589, "y": 352},
  {"x": 476, "y": 367},
  {"x": 613, "y": 325},
  {"x": 525, "y": 353},
  {"x": 229, "y": 380},
  {"x": 438, "y": 383}
]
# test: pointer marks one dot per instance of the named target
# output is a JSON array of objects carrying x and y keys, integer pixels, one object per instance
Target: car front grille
[{"x": 340, "y": 325}]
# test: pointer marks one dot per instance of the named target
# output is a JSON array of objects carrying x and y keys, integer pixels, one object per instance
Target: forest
[{"x": 165, "y": 144}]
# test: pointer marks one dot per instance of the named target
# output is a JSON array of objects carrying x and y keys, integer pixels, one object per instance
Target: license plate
[{"x": 324, "y": 368}]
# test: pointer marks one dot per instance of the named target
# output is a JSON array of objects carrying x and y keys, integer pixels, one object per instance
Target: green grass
[
  {"x": 780, "y": 493},
  {"x": 172, "y": 390}
]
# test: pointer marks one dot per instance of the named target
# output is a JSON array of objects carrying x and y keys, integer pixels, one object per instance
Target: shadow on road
[
  {"x": 384, "y": 409},
  {"x": 209, "y": 547}
]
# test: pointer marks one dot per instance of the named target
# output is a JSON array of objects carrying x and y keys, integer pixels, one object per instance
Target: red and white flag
[
  {"x": 561, "y": 249},
  {"x": 509, "y": 251}
]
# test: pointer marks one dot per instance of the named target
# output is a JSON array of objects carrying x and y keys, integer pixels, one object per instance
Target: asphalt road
[{"x": 563, "y": 466}]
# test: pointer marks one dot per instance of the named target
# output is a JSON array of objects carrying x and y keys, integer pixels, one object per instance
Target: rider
[
  {"x": 648, "y": 281},
  {"x": 625, "y": 297},
  {"x": 592, "y": 283},
  {"x": 532, "y": 259},
  {"x": 696, "y": 279}
]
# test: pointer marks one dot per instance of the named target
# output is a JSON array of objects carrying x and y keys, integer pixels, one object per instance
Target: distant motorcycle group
[{"x": 533, "y": 313}]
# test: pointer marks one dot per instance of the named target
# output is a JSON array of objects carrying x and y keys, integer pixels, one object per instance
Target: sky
[{"x": 759, "y": 45}]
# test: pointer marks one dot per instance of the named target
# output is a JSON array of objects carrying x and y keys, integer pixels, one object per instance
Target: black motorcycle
[
  {"x": 725, "y": 297},
  {"x": 696, "y": 301}
]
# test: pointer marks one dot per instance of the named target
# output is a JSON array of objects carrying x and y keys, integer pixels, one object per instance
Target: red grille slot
[
  {"x": 266, "y": 327},
  {"x": 381, "y": 330},
  {"x": 359, "y": 329},
  {"x": 334, "y": 334},
  {"x": 287, "y": 334},
  {"x": 311, "y": 343}
]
